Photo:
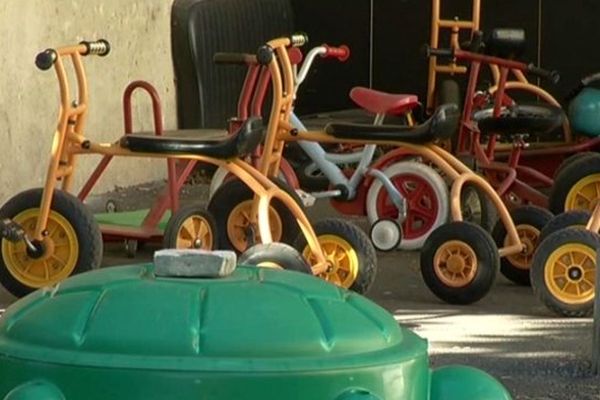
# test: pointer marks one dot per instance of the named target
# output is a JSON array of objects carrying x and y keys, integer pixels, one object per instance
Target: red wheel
[{"x": 426, "y": 196}]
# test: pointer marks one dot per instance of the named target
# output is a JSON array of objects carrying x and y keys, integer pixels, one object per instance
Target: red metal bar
[
  {"x": 246, "y": 94},
  {"x": 482, "y": 58},
  {"x": 156, "y": 107},
  {"x": 468, "y": 109},
  {"x": 260, "y": 92},
  {"x": 499, "y": 96}
]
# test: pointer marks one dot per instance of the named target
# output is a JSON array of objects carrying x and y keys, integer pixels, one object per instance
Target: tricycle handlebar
[
  {"x": 46, "y": 59},
  {"x": 100, "y": 48},
  {"x": 553, "y": 76},
  {"x": 299, "y": 39},
  {"x": 433, "y": 52},
  {"x": 342, "y": 52},
  {"x": 235, "y": 58}
]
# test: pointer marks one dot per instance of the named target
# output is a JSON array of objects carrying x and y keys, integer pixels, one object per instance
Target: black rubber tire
[
  {"x": 233, "y": 192},
  {"x": 533, "y": 216},
  {"x": 538, "y": 269},
  {"x": 568, "y": 177},
  {"x": 311, "y": 181},
  {"x": 177, "y": 219},
  {"x": 87, "y": 231},
  {"x": 565, "y": 220},
  {"x": 360, "y": 243},
  {"x": 488, "y": 262},
  {"x": 477, "y": 208},
  {"x": 281, "y": 254},
  {"x": 571, "y": 159},
  {"x": 448, "y": 92}
]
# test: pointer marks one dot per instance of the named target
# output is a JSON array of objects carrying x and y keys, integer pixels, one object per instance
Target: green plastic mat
[{"x": 131, "y": 219}]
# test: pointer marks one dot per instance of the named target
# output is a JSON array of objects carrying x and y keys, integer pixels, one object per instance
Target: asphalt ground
[{"x": 509, "y": 334}]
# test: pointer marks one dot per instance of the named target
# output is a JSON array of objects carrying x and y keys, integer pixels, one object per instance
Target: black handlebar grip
[
  {"x": 264, "y": 55},
  {"x": 299, "y": 39},
  {"x": 429, "y": 51},
  {"x": 100, "y": 47},
  {"x": 235, "y": 58},
  {"x": 552, "y": 76},
  {"x": 46, "y": 59},
  {"x": 582, "y": 85}
]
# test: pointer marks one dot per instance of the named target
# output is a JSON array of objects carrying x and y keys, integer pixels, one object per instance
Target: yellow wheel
[
  {"x": 585, "y": 194},
  {"x": 563, "y": 273},
  {"x": 455, "y": 263},
  {"x": 231, "y": 207},
  {"x": 459, "y": 262},
  {"x": 529, "y": 222},
  {"x": 341, "y": 258},
  {"x": 349, "y": 253},
  {"x": 61, "y": 249},
  {"x": 577, "y": 186},
  {"x": 240, "y": 221},
  {"x": 191, "y": 227},
  {"x": 72, "y": 242}
]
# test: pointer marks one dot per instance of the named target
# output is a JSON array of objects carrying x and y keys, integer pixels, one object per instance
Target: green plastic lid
[{"x": 256, "y": 319}]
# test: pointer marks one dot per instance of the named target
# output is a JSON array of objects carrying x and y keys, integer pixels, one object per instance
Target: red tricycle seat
[
  {"x": 534, "y": 119},
  {"x": 383, "y": 103},
  {"x": 239, "y": 144}
]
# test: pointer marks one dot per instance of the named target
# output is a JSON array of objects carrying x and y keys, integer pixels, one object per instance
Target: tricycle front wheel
[
  {"x": 72, "y": 243},
  {"x": 459, "y": 262}
]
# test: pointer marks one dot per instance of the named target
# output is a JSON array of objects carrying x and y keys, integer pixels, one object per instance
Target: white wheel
[
  {"x": 427, "y": 200},
  {"x": 386, "y": 234}
]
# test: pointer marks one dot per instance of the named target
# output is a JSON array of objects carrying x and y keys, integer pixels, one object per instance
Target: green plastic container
[{"x": 123, "y": 333}]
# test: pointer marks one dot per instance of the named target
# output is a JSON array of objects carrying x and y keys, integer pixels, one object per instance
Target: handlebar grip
[
  {"x": 591, "y": 78},
  {"x": 583, "y": 83},
  {"x": 432, "y": 52},
  {"x": 552, "y": 76},
  {"x": 299, "y": 39},
  {"x": 100, "y": 47},
  {"x": 46, "y": 59},
  {"x": 342, "y": 53},
  {"x": 235, "y": 58}
]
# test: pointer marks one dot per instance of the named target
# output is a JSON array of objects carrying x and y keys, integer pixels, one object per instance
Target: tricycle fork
[{"x": 69, "y": 131}]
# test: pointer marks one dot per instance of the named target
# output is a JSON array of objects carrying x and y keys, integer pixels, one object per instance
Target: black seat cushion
[
  {"x": 441, "y": 125},
  {"x": 534, "y": 119},
  {"x": 505, "y": 43},
  {"x": 239, "y": 144}
]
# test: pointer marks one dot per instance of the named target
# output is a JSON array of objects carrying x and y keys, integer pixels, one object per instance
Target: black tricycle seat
[
  {"x": 441, "y": 125},
  {"x": 505, "y": 43},
  {"x": 239, "y": 144},
  {"x": 533, "y": 119}
]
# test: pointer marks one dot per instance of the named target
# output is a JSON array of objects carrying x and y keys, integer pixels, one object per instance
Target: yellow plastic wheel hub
[
  {"x": 584, "y": 195},
  {"x": 239, "y": 221},
  {"x": 529, "y": 236},
  {"x": 61, "y": 251},
  {"x": 455, "y": 263},
  {"x": 570, "y": 273},
  {"x": 195, "y": 233},
  {"x": 342, "y": 260}
]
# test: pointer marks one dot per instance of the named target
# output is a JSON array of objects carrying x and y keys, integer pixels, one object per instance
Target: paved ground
[{"x": 508, "y": 334}]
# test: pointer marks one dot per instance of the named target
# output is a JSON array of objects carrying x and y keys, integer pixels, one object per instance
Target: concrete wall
[{"x": 139, "y": 31}]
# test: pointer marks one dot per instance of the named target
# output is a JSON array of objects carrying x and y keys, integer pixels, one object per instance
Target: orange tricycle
[{"x": 48, "y": 234}]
